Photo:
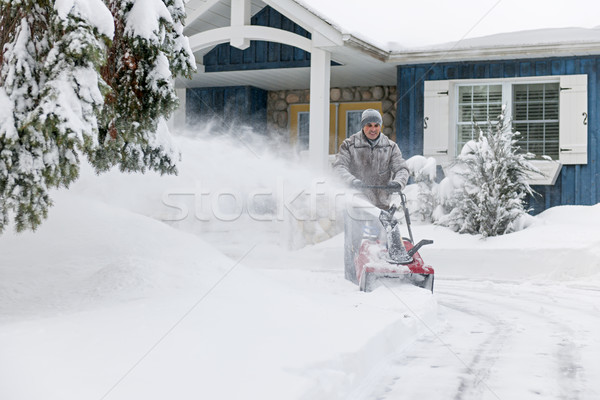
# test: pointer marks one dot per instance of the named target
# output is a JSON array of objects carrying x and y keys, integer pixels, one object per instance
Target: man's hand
[
  {"x": 356, "y": 183},
  {"x": 396, "y": 185}
]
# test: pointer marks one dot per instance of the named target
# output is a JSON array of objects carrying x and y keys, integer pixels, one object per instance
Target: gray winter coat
[{"x": 377, "y": 165}]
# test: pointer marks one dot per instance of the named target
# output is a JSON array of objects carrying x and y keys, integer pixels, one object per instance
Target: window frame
[
  {"x": 507, "y": 100},
  {"x": 440, "y": 115}
]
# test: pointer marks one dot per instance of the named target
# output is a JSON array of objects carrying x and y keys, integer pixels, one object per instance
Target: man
[{"x": 369, "y": 158}]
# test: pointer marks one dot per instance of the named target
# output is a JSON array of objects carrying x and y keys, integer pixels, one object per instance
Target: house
[{"x": 273, "y": 61}]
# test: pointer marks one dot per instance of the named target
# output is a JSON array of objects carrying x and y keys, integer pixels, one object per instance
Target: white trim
[
  {"x": 517, "y": 79},
  {"x": 251, "y": 32},
  {"x": 306, "y": 19},
  {"x": 573, "y": 119},
  {"x": 436, "y": 128},
  {"x": 240, "y": 16},
  {"x": 494, "y": 54},
  {"x": 549, "y": 169},
  {"x": 318, "y": 137},
  {"x": 177, "y": 119},
  {"x": 365, "y": 47},
  {"x": 192, "y": 16}
]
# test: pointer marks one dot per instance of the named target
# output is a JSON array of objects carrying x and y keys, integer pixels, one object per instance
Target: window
[
  {"x": 535, "y": 116},
  {"x": 532, "y": 108},
  {"x": 476, "y": 105},
  {"x": 344, "y": 122},
  {"x": 303, "y": 128},
  {"x": 550, "y": 113},
  {"x": 299, "y": 123},
  {"x": 353, "y": 118}
]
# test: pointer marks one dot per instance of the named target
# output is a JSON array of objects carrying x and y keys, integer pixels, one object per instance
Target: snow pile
[
  {"x": 106, "y": 301},
  {"x": 560, "y": 244},
  {"x": 104, "y": 285},
  {"x": 114, "y": 303}
]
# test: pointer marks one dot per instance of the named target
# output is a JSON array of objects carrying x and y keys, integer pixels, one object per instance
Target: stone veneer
[{"x": 279, "y": 101}]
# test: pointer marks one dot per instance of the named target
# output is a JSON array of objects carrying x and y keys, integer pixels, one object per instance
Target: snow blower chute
[{"x": 372, "y": 255}]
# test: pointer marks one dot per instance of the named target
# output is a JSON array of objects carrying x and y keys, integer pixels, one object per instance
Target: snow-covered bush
[
  {"x": 421, "y": 194},
  {"x": 485, "y": 192}
]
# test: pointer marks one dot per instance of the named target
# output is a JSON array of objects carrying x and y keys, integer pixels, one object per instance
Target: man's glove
[
  {"x": 396, "y": 185},
  {"x": 356, "y": 183}
]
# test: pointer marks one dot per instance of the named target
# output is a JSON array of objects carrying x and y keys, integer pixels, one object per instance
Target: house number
[
  {"x": 584, "y": 118},
  {"x": 425, "y": 122}
]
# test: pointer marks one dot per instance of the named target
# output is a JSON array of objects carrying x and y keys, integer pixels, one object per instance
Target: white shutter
[
  {"x": 573, "y": 128},
  {"x": 435, "y": 121}
]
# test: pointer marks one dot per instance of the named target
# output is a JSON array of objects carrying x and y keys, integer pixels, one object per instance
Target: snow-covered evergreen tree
[
  {"x": 495, "y": 177},
  {"x": 68, "y": 89},
  {"x": 23, "y": 149},
  {"x": 142, "y": 61},
  {"x": 50, "y": 71}
]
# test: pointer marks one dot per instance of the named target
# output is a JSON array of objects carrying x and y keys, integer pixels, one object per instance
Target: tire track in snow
[
  {"x": 444, "y": 369},
  {"x": 473, "y": 380},
  {"x": 521, "y": 341},
  {"x": 568, "y": 370}
]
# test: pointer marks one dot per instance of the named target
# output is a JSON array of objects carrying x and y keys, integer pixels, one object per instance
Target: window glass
[
  {"x": 477, "y": 104},
  {"x": 535, "y": 116},
  {"x": 303, "y": 129},
  {"x": 353, "y": 118}
]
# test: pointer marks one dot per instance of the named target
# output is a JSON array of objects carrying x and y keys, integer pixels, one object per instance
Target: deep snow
[{"x": 125, "y": 293}]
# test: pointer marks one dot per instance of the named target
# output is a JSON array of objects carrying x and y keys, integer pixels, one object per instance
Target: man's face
[{"x": 372, "y": 130}]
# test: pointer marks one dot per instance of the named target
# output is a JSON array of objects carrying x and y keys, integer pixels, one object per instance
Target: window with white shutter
[
  {"x": 550, "y": 113},
  {"x": 436, "y": 120},
  {"x": 573, "y": 128}
]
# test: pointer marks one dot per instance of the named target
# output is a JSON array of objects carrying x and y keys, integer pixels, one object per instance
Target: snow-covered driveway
[{"x": 500, "y": 341}]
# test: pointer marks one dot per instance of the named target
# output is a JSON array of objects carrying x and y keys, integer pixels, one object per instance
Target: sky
[{"x": 430, "y": 22}]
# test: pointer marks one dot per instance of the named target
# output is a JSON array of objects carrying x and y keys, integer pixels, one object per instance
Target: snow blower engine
[{"x": 372, "y": 258}]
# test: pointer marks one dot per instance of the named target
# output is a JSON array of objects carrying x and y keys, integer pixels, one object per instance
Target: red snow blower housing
[{"x": 369, "y": 258}]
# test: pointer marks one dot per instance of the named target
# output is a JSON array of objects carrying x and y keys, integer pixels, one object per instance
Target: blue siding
[
  {"x": 245, "y": 104},
  {"x": 577, "y": 184}
]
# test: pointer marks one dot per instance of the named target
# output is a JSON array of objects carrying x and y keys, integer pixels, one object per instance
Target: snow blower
[{"x": 370, "y": 259}]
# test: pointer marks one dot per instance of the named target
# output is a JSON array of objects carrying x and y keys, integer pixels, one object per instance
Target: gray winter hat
[{"x": 370, "y": 115}]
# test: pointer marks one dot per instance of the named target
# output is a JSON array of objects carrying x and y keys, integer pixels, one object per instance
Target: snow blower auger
[{"x": 393, "y": 258}]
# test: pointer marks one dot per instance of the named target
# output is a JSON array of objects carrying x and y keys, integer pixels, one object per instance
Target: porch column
[{"x": 318, "y": 136}]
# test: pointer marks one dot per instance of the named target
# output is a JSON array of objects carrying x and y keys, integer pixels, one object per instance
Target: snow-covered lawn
[{"x": 105, "y": 301}]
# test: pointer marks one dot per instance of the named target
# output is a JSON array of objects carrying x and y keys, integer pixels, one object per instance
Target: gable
[{"x": 261, "y": 54}]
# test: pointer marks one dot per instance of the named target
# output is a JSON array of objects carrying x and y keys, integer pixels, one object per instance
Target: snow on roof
[
  {"x": 522, "y": 38},
  {"x": 432, "y": 25}
]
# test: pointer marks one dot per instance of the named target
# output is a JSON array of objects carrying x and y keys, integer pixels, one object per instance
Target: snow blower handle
[{"x": 394, "y": 189}]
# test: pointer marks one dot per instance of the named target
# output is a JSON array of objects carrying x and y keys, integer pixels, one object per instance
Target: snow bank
[
  {"x": 561, "y": 244},
  {"x": 115, "y": 304},
  {"x": 105, "y": 286},
  {"x": 106, "y": 301}
]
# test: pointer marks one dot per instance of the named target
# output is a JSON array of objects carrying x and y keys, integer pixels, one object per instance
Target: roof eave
[
  {"x": 365, "y": 47},
  {"x": 494, "y": 53}
]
